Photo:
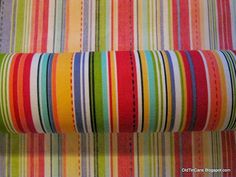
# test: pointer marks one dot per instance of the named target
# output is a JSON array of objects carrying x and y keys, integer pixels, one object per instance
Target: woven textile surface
[{"x": 117, "y": 88}]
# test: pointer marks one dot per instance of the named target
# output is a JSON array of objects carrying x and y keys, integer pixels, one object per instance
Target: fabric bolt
[
  {"x": 89, "y": 25},
  {"x": 117, "y": 88},
  {"x": 143, "y": 91}
]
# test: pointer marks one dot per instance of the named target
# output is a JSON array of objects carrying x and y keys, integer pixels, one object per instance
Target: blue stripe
[
  {"x": 77, "y": 95},
  {"x": 172, "y": 91},
  {"x": 194, "y": 91},
  {"x": 49, "y": 92}
]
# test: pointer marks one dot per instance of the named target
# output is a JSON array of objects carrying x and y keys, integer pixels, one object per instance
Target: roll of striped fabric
[
  {"x": 123, "y": 91},
  {"x": 82, "y": 25},
  {"x": 160, "y": 154}
]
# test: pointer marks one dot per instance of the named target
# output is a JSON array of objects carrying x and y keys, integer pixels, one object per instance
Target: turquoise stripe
[
  {"x": 43, "y": 92},
  {"x": 105, "y": 92},
  {"x": 152, "y": 91}
]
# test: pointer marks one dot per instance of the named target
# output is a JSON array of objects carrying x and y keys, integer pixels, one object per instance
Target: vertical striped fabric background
[
  {"x": 88, "y": 25},
  {"x": 31, "y": 26},
  {"x": 162, "y": 154}
]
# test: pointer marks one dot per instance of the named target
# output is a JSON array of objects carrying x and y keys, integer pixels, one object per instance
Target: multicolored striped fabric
[
  {"x": 89, "y": 69},
  {"x": 145, "y": 91},
  {"x": 118, "y": 155},
  {"x": 81, "y": 25}
]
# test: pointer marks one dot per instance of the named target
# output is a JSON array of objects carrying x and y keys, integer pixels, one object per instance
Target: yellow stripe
[
  {"x": 184, "y": 104},
  {"x": 141, "y": 154},
  {"x": 145, "y": 90},
  {"x": 223, "y": 91},
  {"x": 63, "y": 92},
  {"x": 74, "y": 25},
  {"x": 73, "y": 162},
  {"x": 114, "y": 92}
]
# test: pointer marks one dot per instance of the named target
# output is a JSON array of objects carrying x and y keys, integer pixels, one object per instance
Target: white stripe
[
  {"x": 33, "y": 93},
  {"x": 178, "y": 92},
  {"x": 50, "y": 26},
  {"x": 87, "y": 101},
  {"x": 139, "y": 87}
]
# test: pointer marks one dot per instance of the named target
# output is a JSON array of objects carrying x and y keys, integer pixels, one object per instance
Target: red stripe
[
  {"x": 125, "y": 25},
  {"x": 26, "y": 93},
  {"x": 31, "y": 155},
  {"x": 177, "y": 154},
  {"x": 220, "y": 24},
  {"x": 175, "y": 23},
  {"x": 233, "y": 150},
  {"x": 187, "y": 152},
  {"x": 127, "y": 91},
  {"x": 184, "y": 25},
  {"x": 45, "y": 26},
  {"x": 126, "y": 160},
  {"x": 15, "y": 100},
  {"x": 189, "y": 90},
  {"x": 224, "y": 151},
  {"x": 112, "y": 25},
  {"x": 41, "y": 155},
  {"x": 201, "y": 90},
  {"x": 35, "y": 23},
  {"x": 227, "y": 25}
]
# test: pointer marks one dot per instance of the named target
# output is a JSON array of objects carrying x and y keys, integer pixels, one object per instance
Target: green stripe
[
  {"x": 2, "y": 126},
  {"x": 101, "y": 154},
  {"x": 5, "y": 100},
  {"x": 14, "y": 151},
  {"x": 43, "y": 92},
  {"x": 156, "y": 90},
  {"x": 161, "y": 89},
  {"x": 20, "y": 25},
  {"x": 98, "y": 96},
  {"x": 102, "y": 25}
]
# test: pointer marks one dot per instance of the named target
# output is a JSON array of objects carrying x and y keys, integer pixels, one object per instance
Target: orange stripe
[
  {"x": 223, "y": 91},
  {"x": 196, "y": 25},
  {"x": 20, "y": 96},
  {"x": 54, "y": 98}
]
